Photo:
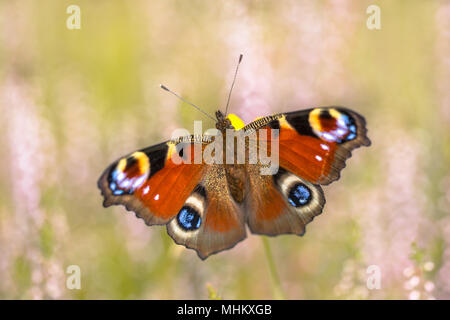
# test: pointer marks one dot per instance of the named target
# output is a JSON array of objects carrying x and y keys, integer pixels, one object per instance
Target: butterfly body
[{"x": 207, "y": 205}]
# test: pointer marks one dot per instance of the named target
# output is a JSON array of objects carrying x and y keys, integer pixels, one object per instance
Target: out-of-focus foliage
[{"x": 72, "y": 101}]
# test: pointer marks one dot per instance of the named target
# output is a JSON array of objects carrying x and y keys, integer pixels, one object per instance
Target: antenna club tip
[
  {"x": 164, "y": 87},
  {"x": 240, "y": 57}
]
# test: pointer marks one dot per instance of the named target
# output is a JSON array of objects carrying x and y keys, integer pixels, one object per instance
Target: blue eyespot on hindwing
[
  {"x": 189, "y": 219},
  {"x": 299, "y": 195}
]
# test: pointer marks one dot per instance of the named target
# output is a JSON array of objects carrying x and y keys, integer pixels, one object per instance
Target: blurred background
[{"x": 73, "y": 101}]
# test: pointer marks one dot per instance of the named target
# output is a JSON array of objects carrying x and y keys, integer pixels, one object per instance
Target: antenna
[
  {"x": 184, "y": 100},
  {"x": 232, "y": 84}
]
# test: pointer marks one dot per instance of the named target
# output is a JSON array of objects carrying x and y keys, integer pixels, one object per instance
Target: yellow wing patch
[
  {"x": 314, "y": 119},
  {"x": 236, "y": 122},
  {"x": 142, "y": 160}
]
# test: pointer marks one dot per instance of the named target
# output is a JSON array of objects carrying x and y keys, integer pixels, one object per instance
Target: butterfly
[{"x": 206, "y": 206}]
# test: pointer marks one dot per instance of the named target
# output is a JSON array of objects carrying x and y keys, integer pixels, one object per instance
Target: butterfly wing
[
  {"x": 153, "y": 182},
  {"x": 163, "y": 184},
  {"x": 313, "y": 147},
  {"x": 315, "y": 143},
  {"x": 281, "y": 203},
  {"x": 210, "y": 220}
]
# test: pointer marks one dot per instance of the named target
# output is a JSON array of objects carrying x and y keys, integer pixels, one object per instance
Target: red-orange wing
[
  {"x": 192, "y": 199},
  {"x": 312, "y": 148},
  {"x": 210, "y": 220},
  {"x": 314, "y": 143},
  {"x": 281, "y": 203},
  {"x": 153, "y": 182}
]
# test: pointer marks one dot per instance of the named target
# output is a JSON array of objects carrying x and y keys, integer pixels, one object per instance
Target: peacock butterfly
[{"x": 206, "y": 205}]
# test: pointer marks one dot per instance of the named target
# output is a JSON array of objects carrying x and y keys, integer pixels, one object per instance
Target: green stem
[{"x": 276, "y": 283}]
